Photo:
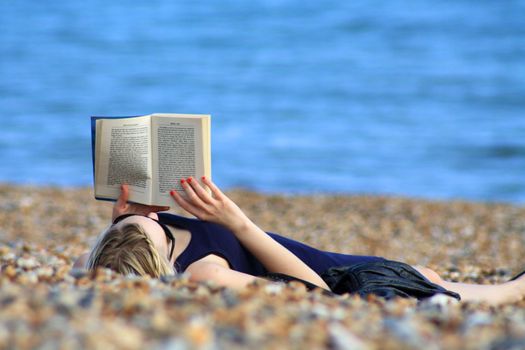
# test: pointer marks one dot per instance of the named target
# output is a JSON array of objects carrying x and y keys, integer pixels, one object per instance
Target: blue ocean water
[{"x": 418, "y": 98}]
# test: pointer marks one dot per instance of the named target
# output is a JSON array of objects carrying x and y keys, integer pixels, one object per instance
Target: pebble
[
  {"x": 26, "y": 263},
  {"x": 478, "y": 319},
  {"x": 274, "y": 288},
  {"x": 440, "y": 302},
  {"x": 343, "y": 339}
]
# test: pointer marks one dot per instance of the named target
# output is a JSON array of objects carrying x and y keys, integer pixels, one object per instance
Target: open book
[{"x": 149, "y": 153}]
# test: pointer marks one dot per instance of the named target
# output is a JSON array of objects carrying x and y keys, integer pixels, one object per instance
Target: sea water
[{"x": 417, "y": 98}]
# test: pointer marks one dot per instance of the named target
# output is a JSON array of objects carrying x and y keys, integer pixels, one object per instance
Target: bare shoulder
[
  {"x": 211, "y": 259},
  {"x": 208, "y": 268}
]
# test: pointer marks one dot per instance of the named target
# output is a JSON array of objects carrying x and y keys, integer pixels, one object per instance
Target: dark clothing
[
  {"x": 209, "y": 238},
  {"x": 342, "y": 273},
  {"x": 387, "y": 279}
]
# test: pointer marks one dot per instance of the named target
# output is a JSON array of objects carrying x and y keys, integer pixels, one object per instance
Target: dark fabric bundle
[{"x": 387, "y": 279}]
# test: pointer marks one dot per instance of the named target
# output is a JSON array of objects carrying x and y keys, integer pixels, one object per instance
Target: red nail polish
[
  {"x": 189, "y": 180},
  {"x": 171, "y": 192},
  {"x": 182, "y": 181},
  {"x": 203, "y": 178}
]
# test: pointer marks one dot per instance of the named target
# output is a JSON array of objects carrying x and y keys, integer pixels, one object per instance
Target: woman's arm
[
  {"x": 222, "y": 210},
  {"x": 222, "y": 276}
]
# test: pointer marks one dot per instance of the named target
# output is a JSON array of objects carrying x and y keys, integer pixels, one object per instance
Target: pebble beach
[{"x": 46, "y": 304}]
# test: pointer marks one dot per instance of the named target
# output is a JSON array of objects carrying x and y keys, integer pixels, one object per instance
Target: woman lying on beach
[{"x": 224, "y": 246}]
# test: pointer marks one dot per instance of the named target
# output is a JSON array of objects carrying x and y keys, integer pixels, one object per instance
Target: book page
[
  {"x": 123, "y": 156},
  {"x": 178, "y": 152}
]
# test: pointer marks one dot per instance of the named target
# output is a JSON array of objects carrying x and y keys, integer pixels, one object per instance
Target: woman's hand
[
  {"x": 122, "y": 206},
  {"x": 215, "y": 208}
]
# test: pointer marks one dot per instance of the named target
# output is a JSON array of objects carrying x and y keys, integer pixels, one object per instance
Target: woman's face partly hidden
[{"x": 153, "y": 230}]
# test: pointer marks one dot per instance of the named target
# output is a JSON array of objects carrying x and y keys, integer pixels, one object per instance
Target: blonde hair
[{"x": 128, "y": 250}]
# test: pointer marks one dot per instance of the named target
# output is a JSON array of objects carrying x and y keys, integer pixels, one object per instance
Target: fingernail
[
  {"x": 189, "y": 179},
  {"x": 182, "y": 181},
  {"x": 171, "y": 192},
  {"x": 203, "y": 178}
]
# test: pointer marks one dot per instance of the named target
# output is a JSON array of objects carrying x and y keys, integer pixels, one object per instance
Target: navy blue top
[{"x": 209, "y": 238}]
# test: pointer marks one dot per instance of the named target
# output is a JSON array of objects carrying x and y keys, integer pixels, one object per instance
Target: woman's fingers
[
  {"x": 184, "y": 204},
  {"x": 124, "y": 195},
  {"x": 217, "y": 193},
  {"x": 121, "y": 205},
  {"x": 192, "y": 195},
  {"x": 156, "y": 208},
  {"x": 200, "y": 191}
]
